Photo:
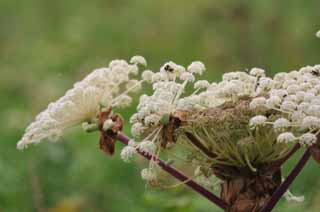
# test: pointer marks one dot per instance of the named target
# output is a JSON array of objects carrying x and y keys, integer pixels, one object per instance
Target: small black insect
[
  {"x": 316, "y": 72},
  {"x": 168, "y": 68}
]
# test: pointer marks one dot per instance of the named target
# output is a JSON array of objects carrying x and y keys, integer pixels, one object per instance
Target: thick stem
[
  {"x": 246, "y": 193},
  {"x": 288, "y": 181},
  {"x": 178, "y": 175}
]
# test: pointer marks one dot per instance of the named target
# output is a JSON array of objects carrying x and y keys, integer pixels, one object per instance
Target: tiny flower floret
[
  {"x": 147, "y": 146},
  {"x": 138, "y": 60},
  {"x": 257, "y": 72},
  {"x": 147, "y": 75},
  {"x": 257, "y": 121},
  {"x": 258, "y": 102},
  {"x": 286, "y": 137},
  {"x": 186, "y": 76},
  {"x": 273, "y": 101},
  {"x": 308, "y": 139},
  {"x": 127, "y": 153},
  {"x": 201, "y": 84},
  {"x": 196, "y": 67},
  {"x": 281, "y": 124},
  {"x": 311, "y": 122}
]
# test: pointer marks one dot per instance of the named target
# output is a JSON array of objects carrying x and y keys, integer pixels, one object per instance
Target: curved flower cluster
[
  {"x": 83, "y": 102},
  {"x": 287, "y": 104}
]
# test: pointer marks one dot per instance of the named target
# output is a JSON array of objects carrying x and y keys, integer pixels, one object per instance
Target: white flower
[
  {"x": 311, "y": 122},
  {"x": 305, "y": 86},
  {"x": 230, "y": 76},
  {"x": 307, "y": 139},
  {"x": 281, "y": 93},
  {"x": 127, "y": 153},
  {"x": 280, "y": 76},
  {"x": 107, "y": 124},
  {"x": 292, "y": 89},
  {"x": 133, "y": 69},
  {"x": 137, "y": 129},
  {"x": 147, "y": 146},
  {"x": 147, "y": 75},
  {"x": 187, "y": 76},
  {"x": 201, "y": 84},
  {"x": 273, "y": 102},
  {"x": 265, "y": 83},
  {"x": 257, "y": 72},
  {"x": 156, "y": 77},
  {"x": 78, "y": 105},
  {"x": 257, "y": 121},
  {"x": 297, "y": 116},
  {"x": 152, "y": 120},
  {"x": 281, "y": 124},
  {"x": 114, "y": 63},
  {"x": 308, "y": 96},
  {"x": 258, "y": 102},
  {"x": 313, "y": 110},
  {"x": 138, "y": 60},
  {"x": 196, "y": 67},
  {"x": 288, "y": 82},
  {"x": 148, "y": 175},
  {"x": 286, "y": 137},
  {"x": 318, "y": 34},
  {"x": 288, "y": 106},
  {"x": 300, "y": 95},
  {"x": 134, "y": 118},
  {"x": 303, "y": 106}
]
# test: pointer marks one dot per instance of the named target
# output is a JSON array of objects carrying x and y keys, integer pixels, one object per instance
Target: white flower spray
[
  {"x": 82, "y": 103},
  {"x": 287, "y": 104}
]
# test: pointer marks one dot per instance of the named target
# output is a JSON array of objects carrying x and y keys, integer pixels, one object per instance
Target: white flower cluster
[
  {"x": 168, "y": 85},
  {"x": 235, "y": 85},
  {"x": 83, "y": 101},
  {"x": 296, "y": 97}
]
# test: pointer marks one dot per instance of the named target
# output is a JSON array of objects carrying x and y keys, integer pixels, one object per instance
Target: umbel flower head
[
  {"x": 82, "y": 103},
  {"x": 245, "y": 121}
]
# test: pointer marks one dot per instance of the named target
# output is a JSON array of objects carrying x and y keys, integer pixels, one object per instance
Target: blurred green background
[{"x": 45, "y": 46}]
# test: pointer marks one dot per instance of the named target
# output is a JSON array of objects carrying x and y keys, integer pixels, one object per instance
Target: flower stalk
[
  {"x": 288, "y": 181},
  {"x": 178, "y": 175}
]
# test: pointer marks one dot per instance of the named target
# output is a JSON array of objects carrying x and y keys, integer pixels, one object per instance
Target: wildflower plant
[{"x": 232, "y": 135}]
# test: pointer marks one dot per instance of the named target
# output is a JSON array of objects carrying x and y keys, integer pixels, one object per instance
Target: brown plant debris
[
  {"x": 169, "y": 129},
  {"x": 108, "y": 137}
]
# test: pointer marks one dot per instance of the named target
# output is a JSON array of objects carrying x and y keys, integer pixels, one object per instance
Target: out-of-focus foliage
[{"x": 45, "y": 46}]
